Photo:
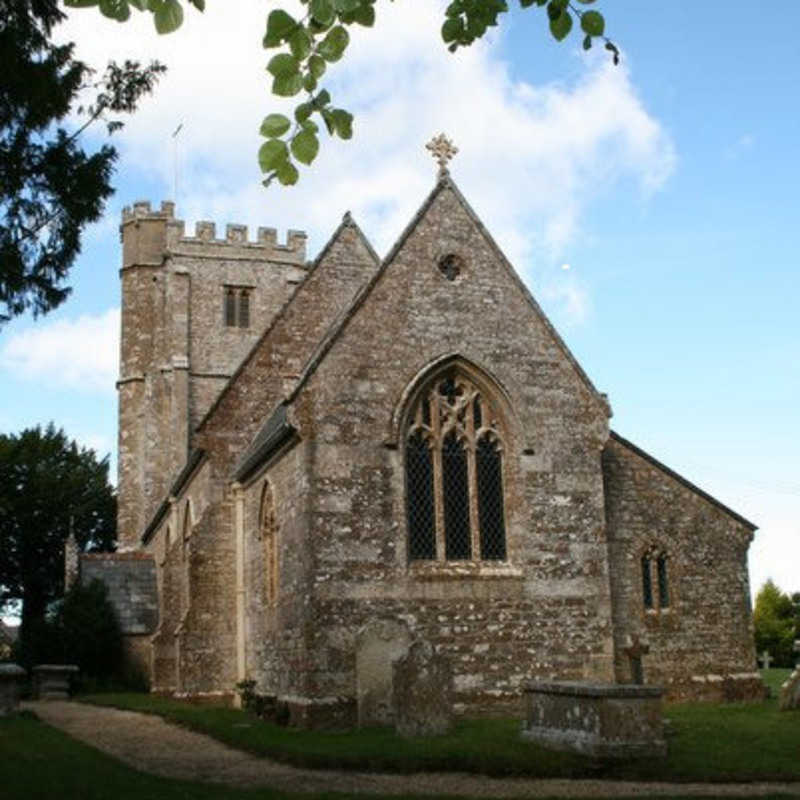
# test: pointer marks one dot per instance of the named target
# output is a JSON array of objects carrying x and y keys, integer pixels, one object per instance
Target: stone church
[{"x": 323, "y": 462}]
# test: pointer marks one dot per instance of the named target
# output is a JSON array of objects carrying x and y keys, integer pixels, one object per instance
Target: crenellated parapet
[{"x": 159, "y": 229}]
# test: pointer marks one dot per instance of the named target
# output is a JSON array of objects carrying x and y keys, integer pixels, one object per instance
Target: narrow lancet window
[
  {"x": 647, "y": 583},
  {"x": 419, "y": 499},
  {"x": 230, "y": 308},
  {"x": 490, "y": 500},
  {"x": 663, "y": 583},
  {"x": 244, "y": 309},
  {"x": 455, "y": 493}
]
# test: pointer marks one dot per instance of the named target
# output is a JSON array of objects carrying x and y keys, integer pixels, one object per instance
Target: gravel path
[{"x": 148, "y": 743}]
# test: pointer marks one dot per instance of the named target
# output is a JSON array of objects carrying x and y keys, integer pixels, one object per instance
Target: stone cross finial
[
  {"x": 442, "y": 150},
  {"x": 766, "y": 659}
]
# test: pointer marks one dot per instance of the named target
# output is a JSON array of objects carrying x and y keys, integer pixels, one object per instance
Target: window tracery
[{"x": 455, "y": 509}]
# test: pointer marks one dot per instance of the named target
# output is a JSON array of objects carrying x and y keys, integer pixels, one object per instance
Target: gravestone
[
  {"x": 790, "y": 693},
  {"x": 797, "y": 650},
  {"x": 765, "y": 659},
  {"x": 378, "y": 644},
  {"x": 635, "y": 648},
  {"x": 12, "y": 676},
  {"x": 422, "y": 692}
]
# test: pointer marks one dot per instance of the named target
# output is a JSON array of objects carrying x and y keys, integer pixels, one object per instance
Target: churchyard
[{"x": 739, "y": 742}]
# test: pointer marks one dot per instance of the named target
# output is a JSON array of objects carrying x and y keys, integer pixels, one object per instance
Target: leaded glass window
[
  {"x": 655, "y": 580},
  {"x": 647, "y": 582},
  {"x": 663, "y": 583},
  {"x": 455, "y": 506}
]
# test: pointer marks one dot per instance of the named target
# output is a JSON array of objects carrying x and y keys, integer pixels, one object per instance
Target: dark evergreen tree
[
  {"x": 50, "y": 186},
  {"x": 774, "y": 622},
  {"x": 48, "y": 485}
]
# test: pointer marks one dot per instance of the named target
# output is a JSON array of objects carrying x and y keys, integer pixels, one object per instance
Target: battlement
[{"x": 205, "y": 241}]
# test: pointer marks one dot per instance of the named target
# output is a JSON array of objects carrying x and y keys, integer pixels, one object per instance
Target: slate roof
[
  {"x": 131, "y": 582},
  {"x": 275, "y": 432}
]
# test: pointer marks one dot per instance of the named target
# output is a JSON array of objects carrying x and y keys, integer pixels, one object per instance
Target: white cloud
[
  {"x": 80, "y": 354},
  {"x": 531, "y": 157}
]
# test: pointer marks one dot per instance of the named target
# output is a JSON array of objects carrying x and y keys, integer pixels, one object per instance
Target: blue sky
[{"x": 651, "y": 208}]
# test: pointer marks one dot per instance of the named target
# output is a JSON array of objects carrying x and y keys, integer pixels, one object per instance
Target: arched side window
[
  {"x": 655, "y": 580},
  {"x": 455, "y": 509},
  {"x": 268, "y": 528}
]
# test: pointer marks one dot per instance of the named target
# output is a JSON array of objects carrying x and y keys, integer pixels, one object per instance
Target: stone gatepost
[
  {"x": 51, "y": 681},
  {"x": 12, "y": 676}
]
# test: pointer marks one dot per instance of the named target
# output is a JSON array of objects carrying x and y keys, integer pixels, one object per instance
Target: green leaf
[
  {"x": 115, "y": 9},
  {"x": 365, "y": 15},
  {"x": 317, "y": 66},
  {"x": 80, "y": 3},
  {"x": 272, "y": 154},
  {"x": 283, "y": 65},
  {"x": 592, "y": 23},
  {"x": 333, "y": 45},
  {"x": 287, "y": 85},
  {"x": 310, "y": 125},
  {"x": 275, "y": 125},
  {"x": 168, "y": 16},
  {"x": 300, "y": 43},
  {"x": 279, "y": 26},
  {"x": 452, "y": 29},
  {"x": 322, "y": 99},
  {"x": 561, "y": 25},
  {"x": 323, "y": 12},
  {"x": 287, "y": 173},
  {"x": 303, "y": 112},
  {"x": 309, "y": 83},
  {"x": 342, "y": 122},
  {"x": 587, "y": 42},
  {"x": 346, "y": 6},
  {"x": 305, "y": 146},
  {"x": 200, "y": 5}
]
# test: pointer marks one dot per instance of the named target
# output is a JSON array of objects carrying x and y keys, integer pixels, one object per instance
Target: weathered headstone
[
  {"x": 12, "y": 677},
  {"x": 765, "y": 659},
  {"x": 51, "y": 681},
  {"x": 422, "y": 692},
  {"x": 378, "y": 644},
  {"x": 797, "y": 650},
  {"x": 790, "y": 693},
  {"x": 635, "y": 648}
]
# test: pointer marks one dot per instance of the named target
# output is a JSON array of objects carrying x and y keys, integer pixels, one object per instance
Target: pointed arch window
[
  {"x": 268, "y": 528},
  {"x": 455, "y": 509},
  {"x": 655, "y": 580}
]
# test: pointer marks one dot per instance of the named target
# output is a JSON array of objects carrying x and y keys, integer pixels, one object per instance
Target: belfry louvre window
[
  {"x": 454, "y": 475},
  {"x": 236, "y": 311}
]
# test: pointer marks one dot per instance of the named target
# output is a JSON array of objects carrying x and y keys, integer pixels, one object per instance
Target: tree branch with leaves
[{"x": 319, "y": 37}]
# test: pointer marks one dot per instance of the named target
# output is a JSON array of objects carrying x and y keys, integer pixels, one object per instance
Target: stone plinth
[
  {"x": 603, "y": 720},
  {"x": 12, "y": 676},
  {"x": 51, "y": 681},
  {"x": 790, "y": 692},
  {"x": 422, "y": 692}
]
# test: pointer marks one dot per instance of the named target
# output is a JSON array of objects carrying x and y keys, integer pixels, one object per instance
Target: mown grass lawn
[
  {"x": 38, "y": 762},
  {"x": 707, "y": 742}
]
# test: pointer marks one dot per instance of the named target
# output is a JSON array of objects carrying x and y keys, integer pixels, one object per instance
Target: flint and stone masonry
[{"x": 265, "y": 470}]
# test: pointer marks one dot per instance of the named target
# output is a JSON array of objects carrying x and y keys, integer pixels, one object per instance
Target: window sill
[{"x": 455, "y": 570}]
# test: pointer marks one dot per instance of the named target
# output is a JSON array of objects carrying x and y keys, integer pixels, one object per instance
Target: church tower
[{"x": 192, "y": 307}]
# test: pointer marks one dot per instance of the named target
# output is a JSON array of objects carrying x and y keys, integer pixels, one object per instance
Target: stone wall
[
  {"x": 546, "y": 611},
  {"x": 702, "y": 641}
]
